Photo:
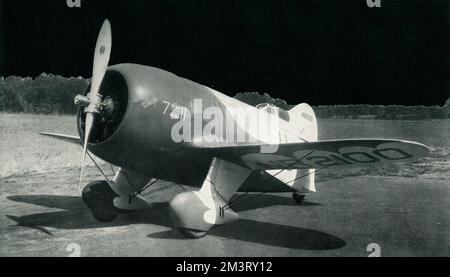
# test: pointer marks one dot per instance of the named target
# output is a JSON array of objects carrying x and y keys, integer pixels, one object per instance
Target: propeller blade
[
  {"x": 94, "y": 99},
  {"x": 101, "y": 56},
  {"x": 87, "y": 133}
]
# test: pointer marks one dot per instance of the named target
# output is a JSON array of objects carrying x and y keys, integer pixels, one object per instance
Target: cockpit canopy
[{"x": 272, "y": 109}]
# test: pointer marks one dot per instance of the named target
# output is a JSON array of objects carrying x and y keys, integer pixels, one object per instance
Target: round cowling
[
  {"x": 114, "y": 91},
  {"x": 133, "y": 129}
]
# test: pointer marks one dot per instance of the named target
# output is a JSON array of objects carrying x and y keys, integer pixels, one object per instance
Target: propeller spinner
[{"x": 92, "y": 102}]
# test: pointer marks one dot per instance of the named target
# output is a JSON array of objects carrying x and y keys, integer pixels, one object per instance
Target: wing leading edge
[
  {"x": 310, "y": 155},
  {"x": 320, "y": 154}
]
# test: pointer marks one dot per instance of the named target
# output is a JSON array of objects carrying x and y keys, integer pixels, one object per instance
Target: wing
[
  {"x": 66, "y": 138},
  {"x": 320, "y": 154}
]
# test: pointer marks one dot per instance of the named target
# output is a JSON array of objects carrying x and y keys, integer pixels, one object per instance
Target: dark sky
[{"x": 315, "y": 51}]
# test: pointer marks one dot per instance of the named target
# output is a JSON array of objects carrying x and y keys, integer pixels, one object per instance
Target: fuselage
[{"x": 140, "y": 137}]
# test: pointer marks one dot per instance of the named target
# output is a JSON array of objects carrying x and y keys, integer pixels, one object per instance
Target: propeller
[{"x": 92, "y": 102}]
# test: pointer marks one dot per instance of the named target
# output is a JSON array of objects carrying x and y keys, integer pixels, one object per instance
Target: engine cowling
[{"x": 133, "y": 128}]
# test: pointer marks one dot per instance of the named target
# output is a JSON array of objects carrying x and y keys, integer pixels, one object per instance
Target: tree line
[
  {"x": 356, "y": 111},
  {"x": 45, "y": 94},
  {"x": 52, "y": 94}
]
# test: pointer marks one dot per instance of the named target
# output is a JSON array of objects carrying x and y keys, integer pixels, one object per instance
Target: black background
[{"x": 315, "y": 51}]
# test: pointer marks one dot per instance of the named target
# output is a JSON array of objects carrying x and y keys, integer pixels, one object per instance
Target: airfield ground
[{"x": 404, "y": 209}]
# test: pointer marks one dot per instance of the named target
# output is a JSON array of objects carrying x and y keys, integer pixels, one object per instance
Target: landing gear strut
[
  {"x": 298, "y": 198},
  {"x": 99, "y": 197}
]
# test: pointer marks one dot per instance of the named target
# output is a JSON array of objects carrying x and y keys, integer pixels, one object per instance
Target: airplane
[{"x": 127, "y": 117}]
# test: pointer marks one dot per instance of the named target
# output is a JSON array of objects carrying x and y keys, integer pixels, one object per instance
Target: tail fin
[{"x": 303, "y": 120}]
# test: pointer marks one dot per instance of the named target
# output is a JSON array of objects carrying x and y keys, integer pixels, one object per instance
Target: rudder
[{"x": 303, "y": 119}]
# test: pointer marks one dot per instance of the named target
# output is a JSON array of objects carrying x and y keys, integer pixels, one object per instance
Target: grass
[{"x": 24, "y": 150}]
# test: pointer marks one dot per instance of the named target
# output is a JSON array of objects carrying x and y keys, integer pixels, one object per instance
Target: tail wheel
[
  {"x": 99, "y": 197},
  {"x": 298, "y": 198}
]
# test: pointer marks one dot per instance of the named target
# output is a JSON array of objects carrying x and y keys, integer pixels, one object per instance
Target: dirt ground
[
  {"x": 43, "y": 215},
  {"x": 404, "y": 209}
]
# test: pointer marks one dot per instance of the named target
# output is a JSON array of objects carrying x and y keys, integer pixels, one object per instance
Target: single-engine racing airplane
[{"x": 138, "y": 118}]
